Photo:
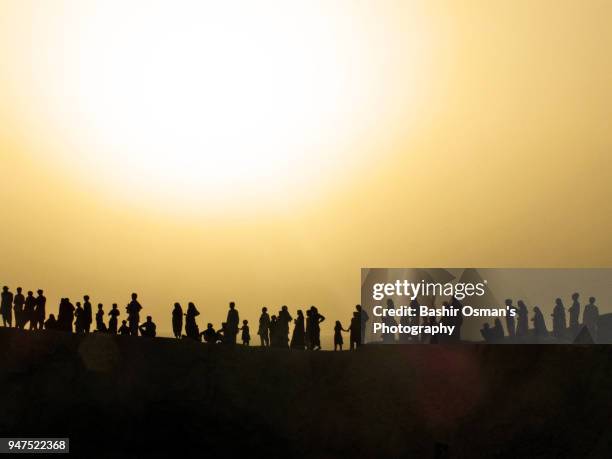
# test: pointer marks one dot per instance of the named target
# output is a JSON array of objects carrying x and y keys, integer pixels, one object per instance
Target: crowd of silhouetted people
[
  {"x": 274, "y": 330},
  {"x": 518, "y": 325}
]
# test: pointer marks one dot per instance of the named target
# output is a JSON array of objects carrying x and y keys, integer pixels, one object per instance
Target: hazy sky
[{"x": 265, "y": 152}]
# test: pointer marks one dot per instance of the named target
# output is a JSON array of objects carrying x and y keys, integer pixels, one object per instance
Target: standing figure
[
  {"x": 591, "y": 317},
  {"x": 522, "y": 327},
  {"x": 100, "y": 325},
  {"x": 19, "y": 301},
  {"x": 298, "y": 339},
  {"x": 264, "y": 327},
  {"x": 574, "y": 314},
  {"x": 316, "y": 319},
  {"x": 273, "y": 331},
  {"x": 233, "y": 319},
  {"x": 41, "y": 313},
  {"x": 79, "y": 321},
  {"x": 112, "y": 322},
  {"x": 29, "y": 312},
  {"x": 177, "y": 320},
  {"x": 356, "y": 327},
  {"x": 510, "y": 324},
  {"x": 6, "y": 307},
  {"x": 191, "y": 327},
  {"x": 284, "y": 319},
  {"x": 133, "y": 311},
  {"x": 338, "y": 340},
  {"x": 558, "y": 316},
  {"x": 363, "y": 318},
  {"x": 246, "y": 335},
  {"x": 87, "y": 314},
  {"x": 65, "y": 316},
  {"x": 539, "y": 326}
]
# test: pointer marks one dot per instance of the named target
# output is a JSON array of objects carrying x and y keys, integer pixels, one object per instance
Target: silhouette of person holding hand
[
  {"x": 112, "y": 322},
  {"x": 232, "y": 322},
  {"x": 6, "y": 307},
  {"x": 133, "y": 311},
  {"x": 100, "y": 325},
  {"x": 246, "y": 336},
  {"x": 338, "y": 340},
  {"x": 356, "y": 327},
  {"x": 177, "y": 320},
  {"x": 148, "y": 328},
  {"x": 264, "y": 327},
  {"x": 364, "y": 318}
]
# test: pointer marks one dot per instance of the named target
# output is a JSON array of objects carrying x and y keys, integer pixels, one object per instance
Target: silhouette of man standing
[
  {"x": 364, "y": 318},
  {"x": 284, "y": 319},
  {"x": 574, "y": 313},
  {"x": 113, "y": 321},
  {"x": 558, "y": 316},
  {"x": 87, "y": 314},
  {"x": 133, "y": 311},
  {"x": 591, "y": 317},
  {"x": 6, "y": 307},
  {"x": 19, "y": 301},
  {"x": 29, "y": 312},
  {"x": 510, "y": 324},
  {"x": 232, "y": 322},
  {"x": 264, "y": 327},
  {"x": 41, "y": 304}
]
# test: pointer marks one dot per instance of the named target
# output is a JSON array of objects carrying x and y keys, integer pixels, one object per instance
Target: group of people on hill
[
  {"x": 518, "y": 325},
  {"x": 273, "y": 330}
]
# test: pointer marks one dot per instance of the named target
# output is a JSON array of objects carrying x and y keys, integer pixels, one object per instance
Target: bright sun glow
[{"x": 213, "y": 102}]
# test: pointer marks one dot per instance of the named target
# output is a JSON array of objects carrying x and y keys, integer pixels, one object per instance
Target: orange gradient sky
[{"x": 264, "y": 152}]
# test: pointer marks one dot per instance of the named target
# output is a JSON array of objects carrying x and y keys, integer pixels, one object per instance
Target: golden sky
[{"x": 265, "y": 152}]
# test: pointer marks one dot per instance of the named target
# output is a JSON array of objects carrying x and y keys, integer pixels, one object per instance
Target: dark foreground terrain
[{"x": 124, "y": 397}]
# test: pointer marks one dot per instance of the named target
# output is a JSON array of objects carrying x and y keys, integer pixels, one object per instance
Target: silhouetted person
[
  {"x": 246, "y": 335},
  {"x": 19, "y": 302},
  {"x": 363, "y": 318},
  {"x": 177, "y": 320},
  {"x": 65, "y": 316},
  {"x": 112, "y": 322},
  {"x": 574, "y": 314},
  {"x": 51, "y": 323},
  {"x": 591, "y": 317},
  {"x": 210, "y": 335},
  {"x": 222, "y": 333},
  {"x": 6, "y": 307},
  {"x": 133, "y": 310},
  {"x": 497, "y": 330},
  {"x": 522, "y": 327},
  {"x": 79, "y": 318},
  {"x": 41, "y": 310},
  {"x": 100, "y": 325},
  {"x": 338, "y": 340},
  {"x": 316, "y": 320},
  {"x": 298, "y": 339},
  {"x": 273, "y": 331},
  {"x": 558, "y": 316},
  {"x": 29, "y": 311},
  {"x": 487, "y": 333},
  {"x": 356, "y": 327},
  {"x": 124, "y": 329},
  {"x": 284, "y": 319},
  {"x": 148, "y": 328},
  {"x": 389, "y": 321},
  {"x": 87, "y": 314},
  {"x": 539, "y": 326},
  {"x": 191, "y": 327},
  {"x": 232, "y": 322},
  {"x": 264, "y": 327},
  {"x": 510, "y": 323}
]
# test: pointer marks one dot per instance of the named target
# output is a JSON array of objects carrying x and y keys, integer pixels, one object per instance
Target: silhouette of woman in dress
[
  {"x": 100, "y": 325},
  {"x": 191, "y": 327},
  {"x": 177, "y": 320},
  {"x": 338, "y": 340},
  {"x": 299, "y": 335},
  {"x": 539, "y": 326}
]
